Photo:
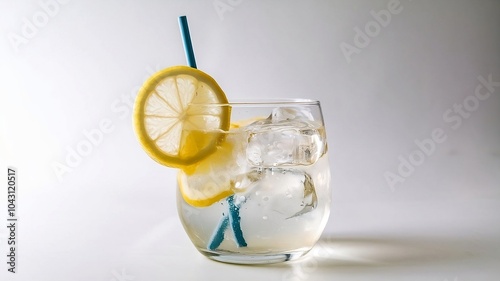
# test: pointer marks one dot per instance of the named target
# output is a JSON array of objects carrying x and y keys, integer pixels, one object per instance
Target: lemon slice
[
  {"x": 216, "y": 177},
  {"x": 174, "y": 119},
  {"x": 209, "y": 180}
]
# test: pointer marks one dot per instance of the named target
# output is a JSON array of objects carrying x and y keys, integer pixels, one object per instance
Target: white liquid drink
[{"x": 278, "y": 200}]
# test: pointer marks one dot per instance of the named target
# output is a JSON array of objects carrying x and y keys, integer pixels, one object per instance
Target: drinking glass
[{"x": 271, "y": 170}]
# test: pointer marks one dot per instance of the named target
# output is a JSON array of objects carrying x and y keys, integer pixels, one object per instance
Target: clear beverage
[{"x": 274, "y": 161}]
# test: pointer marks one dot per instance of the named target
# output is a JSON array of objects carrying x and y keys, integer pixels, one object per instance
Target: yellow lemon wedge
[
  {"x": 209, "y": 180},
  {"x": 180, "y": 115},
  {"x": 214, "y": 178}
]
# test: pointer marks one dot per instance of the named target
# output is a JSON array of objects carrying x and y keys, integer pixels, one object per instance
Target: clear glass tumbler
[{"x": 265, "y": 192}]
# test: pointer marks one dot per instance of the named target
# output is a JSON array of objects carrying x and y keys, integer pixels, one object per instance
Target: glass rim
[{"x": 268, "y": 102}]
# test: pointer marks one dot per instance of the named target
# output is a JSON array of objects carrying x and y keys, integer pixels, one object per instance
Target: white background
[{"x": 112, "y": 216}]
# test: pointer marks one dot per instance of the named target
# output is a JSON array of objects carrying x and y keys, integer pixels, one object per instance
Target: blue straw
[
  {"x": 186, "y": 39},
  {"x": 234, "y": 211},
  {"x": 234, "y": 219},
  {"x": 218, "y": 236}
]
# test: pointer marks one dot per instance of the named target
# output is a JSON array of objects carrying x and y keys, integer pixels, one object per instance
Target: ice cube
[
  {"x": 310, "y": 199},
  {"x": 282, "y": 193},
  {"x": 294, "y": 141},
  {"x": 244, "y": 181},
  {"x": 291, "y": 113}
]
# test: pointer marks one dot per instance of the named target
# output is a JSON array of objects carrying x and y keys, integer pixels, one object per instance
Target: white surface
[{"x": 113, "y": 217}]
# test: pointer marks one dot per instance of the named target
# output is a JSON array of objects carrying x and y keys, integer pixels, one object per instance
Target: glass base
[{"x": 247, "y": 258}]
